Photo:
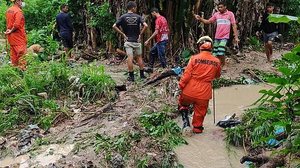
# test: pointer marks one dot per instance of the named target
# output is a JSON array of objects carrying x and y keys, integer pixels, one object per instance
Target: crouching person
[{"x": 196, "y": 85}]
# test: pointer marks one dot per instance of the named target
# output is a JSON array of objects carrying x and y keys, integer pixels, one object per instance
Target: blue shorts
[{"x": 269, "y": 36}]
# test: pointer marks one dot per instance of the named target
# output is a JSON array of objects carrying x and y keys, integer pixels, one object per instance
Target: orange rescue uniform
[
  {"x": 196, "y": 85},
  {"x": 16, "y": 39}
]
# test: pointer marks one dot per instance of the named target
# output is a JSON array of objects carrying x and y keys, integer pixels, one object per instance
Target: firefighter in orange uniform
[
  {"x": 16, "y": 35},
  {"x": 196, "y": 85}
]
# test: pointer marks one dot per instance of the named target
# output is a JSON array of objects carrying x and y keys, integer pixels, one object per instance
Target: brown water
[
  {"x": 47, "y": 155},
  {"x": 209, "y": 150}
]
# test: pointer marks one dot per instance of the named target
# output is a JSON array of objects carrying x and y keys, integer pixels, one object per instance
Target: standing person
[
  {"x": 16, "y": 35},
  {"x": 131, "y": 26},
  {"x": 161, "y": 37},
  {"x": 65, "y": 29},
  {"x": 196, "y": 85},
  {"x": 224, "y": 19},
  {"x": 270, "y": 31}
]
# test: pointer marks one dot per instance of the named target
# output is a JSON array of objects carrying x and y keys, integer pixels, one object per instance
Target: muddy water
[
  {"x": 209, "y": 150},
  {"x": 47, "y": 155}
]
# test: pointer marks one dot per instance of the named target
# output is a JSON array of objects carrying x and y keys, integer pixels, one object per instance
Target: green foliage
[
  {"x": 278, "y": 107},
  {"x": 291, "y": 7},
  {"x": 42, "y": 37},
  {"x": 294, "y": 32},
  {"x": 40, "y": 13},
  {"x": 11, "y": 119},
  {"x": 277, "y": 18},
  {"x": 161, "y": 126},
  {"x": 120, "y": 144},
  {"x": 3, "y": 8},
  {"x": 222, "y": 82},
  {"x": 185, "y": 56},
  {"x": 158, "y": 127},
  {"x": 143, "y": 163},
  {"x": 255, "y": 43},
  {"x": 294, "y": 21},
  {"x": 96, "y": 83},
  {"x": 20, "y": 103},
  {"x": 102, "y": 19}
]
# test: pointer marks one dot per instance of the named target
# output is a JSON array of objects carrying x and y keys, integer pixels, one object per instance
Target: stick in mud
[{"x": 214, "y": 106}]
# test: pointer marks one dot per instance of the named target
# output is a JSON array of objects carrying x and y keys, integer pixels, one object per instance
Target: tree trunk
[{"x": 184, "y": 29}]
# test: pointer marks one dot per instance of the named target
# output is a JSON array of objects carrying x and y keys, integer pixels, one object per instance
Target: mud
[
  {"x": 76, "y": 135},
  {"x": 209, "y": 148},
  {"x": 47, "y": 155}
]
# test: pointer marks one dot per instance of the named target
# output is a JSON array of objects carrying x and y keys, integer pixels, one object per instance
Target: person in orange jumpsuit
[
  {"x": 16, "y": 35},
  {"x": 196, "y": 85}
]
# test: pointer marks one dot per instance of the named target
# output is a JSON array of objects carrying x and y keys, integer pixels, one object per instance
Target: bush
[
  {"x": 40, "y": 13},
  {"x": 161, "y": 126},
  {"x": 19, "y": 100},
  {"x": 102, "y": 19}
]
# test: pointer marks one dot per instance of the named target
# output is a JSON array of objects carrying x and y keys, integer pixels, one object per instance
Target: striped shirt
[{"x": 224, "y": 21}]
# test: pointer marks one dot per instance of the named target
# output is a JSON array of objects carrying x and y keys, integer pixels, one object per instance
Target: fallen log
[
  {"x": 161, "y": 76},
  {"x": 172, "y": 72},
  {"x": 263, "y": 161}
]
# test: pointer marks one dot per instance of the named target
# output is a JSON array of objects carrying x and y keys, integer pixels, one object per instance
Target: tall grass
[{"x": 20, "y": 102}]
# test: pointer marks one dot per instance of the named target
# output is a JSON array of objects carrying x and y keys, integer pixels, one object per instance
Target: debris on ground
[
  {"x": 27, "y": 137},
  {"x": 229, "y": 121}
]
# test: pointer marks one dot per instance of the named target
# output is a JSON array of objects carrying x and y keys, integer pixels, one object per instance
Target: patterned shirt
[
  {"x": 161, "y": 25},
  {"x": 224, "y": 21}
]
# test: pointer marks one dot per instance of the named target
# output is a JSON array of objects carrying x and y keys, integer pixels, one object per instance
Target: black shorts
[{"x": 67, "y": 40}]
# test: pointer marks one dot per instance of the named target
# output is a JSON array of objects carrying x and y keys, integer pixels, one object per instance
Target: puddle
[
  {"x": 47, "y": 155},
  {"x": 209, "y": 149}
]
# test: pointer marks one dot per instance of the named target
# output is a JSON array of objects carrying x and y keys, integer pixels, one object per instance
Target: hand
[
  {"x": 125, "y": 37},
  {"x": 8, "y": 31},
  {"x": 198, "y": 17},
  {"x": 147, "y": 42},
  {"x": 257, "y": 33},
  {"x": 139, "y": 39},
  {"x": 236, "y": 40}
]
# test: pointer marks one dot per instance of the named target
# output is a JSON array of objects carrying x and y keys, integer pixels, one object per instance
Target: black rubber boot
[
  {"x": 131, "y": 77},
  {"x": 185, "y": 117},
  {"x": 186, "y": 129}
]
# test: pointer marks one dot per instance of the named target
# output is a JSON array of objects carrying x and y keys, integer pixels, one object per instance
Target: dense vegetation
[{"x": 46, "y": 89}]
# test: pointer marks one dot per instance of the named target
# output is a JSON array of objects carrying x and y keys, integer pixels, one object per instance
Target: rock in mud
[
  {"x": 27, "y": 136},
  {"x": 87, "y": 164},
  {"x": 117, "y": 161}
]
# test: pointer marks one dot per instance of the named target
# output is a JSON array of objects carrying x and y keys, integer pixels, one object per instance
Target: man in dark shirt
[
  {"x": 65, "y": 29},
  {"x": 270, "y": 31},
  {"x": 131, "y": 26}
]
